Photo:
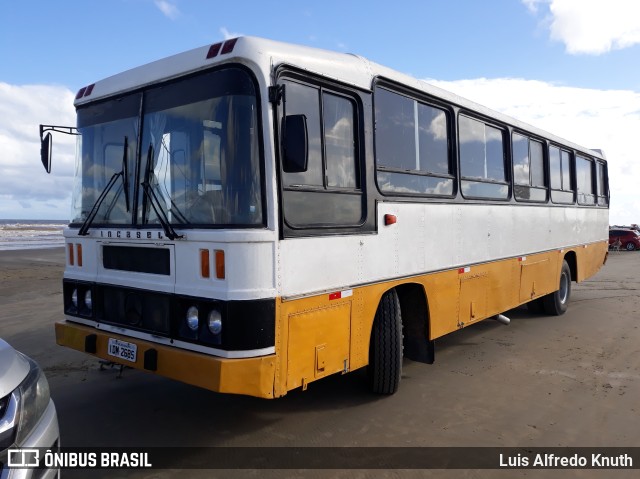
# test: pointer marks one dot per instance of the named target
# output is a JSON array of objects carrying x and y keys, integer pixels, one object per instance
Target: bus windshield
[{"x": 195, "y": 162}]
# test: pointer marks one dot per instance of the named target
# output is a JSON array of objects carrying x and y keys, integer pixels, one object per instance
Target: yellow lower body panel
[
  {"x": 329, "y": 333},
  {"x": 250, "y": 376}
]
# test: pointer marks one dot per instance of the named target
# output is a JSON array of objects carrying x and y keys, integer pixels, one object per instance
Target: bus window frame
[
  {"x": 545, "y": 167},
  {"x": 594, "y": 186},
  {"x": 322, "y": 89},
  {"x": 506, "y": 158},
  {"x": 420, "y": 98},
  {"x": 572, "y": 174},
  {"x": 605, "y": 184},
  {"x": 285, "y": 72}
]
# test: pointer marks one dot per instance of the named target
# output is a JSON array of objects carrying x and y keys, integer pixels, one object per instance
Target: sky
[{"x": 571, "y": 67}]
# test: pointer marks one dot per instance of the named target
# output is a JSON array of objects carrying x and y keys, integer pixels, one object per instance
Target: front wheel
[
  {"x": 630, "y": 246},
  {"x": 385, "y": 349},
  {"x": 556, "y": 303}
]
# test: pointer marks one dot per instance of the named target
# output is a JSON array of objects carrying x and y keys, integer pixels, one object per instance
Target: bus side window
[
  {"x": 566, "y": 171},
  {"x": 304, "y": 100},
  {"x": 332, "y": 178},
  {"x": 528, "y": 169},
  {"x": 560, "y": 170},
  {"x": 584, "y": 181},
  {"x": 482, "y": 160},
  {"x": 412, "y": 146},
  {"x": 339, "y": 139},
  {"x": 601, "y": 188}
]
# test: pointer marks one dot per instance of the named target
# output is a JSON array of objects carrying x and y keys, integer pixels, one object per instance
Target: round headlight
[
  {"x": 215, "y": 322},
  {"x": 87, "y": 300},
  {"x": 74, "y": 298},
  {"x": 192, "y": 318}
]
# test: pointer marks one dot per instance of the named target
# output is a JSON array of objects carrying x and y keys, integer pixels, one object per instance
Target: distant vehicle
[
  {"x": 634, "y": 227},
  {"x": 28, "y": 416},
  {"x": 629, "y": 239}
]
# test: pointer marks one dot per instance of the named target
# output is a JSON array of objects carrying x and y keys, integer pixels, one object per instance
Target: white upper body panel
[{"x": 434, "y": 237}]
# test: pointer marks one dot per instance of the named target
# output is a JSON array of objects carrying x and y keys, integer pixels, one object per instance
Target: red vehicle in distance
[{"x": 628, "y": 239}]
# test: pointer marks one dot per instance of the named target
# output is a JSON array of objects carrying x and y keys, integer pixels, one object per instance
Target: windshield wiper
[
  {"x": 84, "y": 229},
  {"x": 125, "y": 171},
  {"x": 153, "y": 199}
]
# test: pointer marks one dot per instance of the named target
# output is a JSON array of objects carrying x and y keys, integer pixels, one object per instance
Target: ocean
[{"x": 31, "y": 234}]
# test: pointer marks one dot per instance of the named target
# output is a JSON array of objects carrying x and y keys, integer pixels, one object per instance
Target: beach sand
[
  {"x": 30, "y": 304},
  {"x": 31, "y": 299}
]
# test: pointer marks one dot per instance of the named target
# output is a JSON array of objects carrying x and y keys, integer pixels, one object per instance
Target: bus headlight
[
  {"x": 215, "y": 322},
  {"x": 87, "y": 300},
  {"x": 192, "y": 318}
]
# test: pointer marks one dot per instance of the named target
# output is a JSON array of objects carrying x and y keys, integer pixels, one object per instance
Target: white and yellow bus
[{"x": 252, "y": 216}]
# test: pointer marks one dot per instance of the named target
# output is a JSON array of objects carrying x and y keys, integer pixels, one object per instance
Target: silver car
[{"x": 27, "y": 414}]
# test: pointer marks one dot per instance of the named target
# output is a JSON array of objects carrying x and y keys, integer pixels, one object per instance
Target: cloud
[
  {"x": 168, "y": 9},
  {"x": 604, "y": 119},
  {"x": 226, "y": 34},
  {"x": 25, "y": 188},
  {"x": 532, "y": 5},
  {"x": 591, "y": 27}
]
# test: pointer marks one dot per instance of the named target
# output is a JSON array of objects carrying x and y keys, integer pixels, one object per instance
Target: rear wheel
[
  {"x": 556, "y": 303},
  {"x": 385, "y": 349}
]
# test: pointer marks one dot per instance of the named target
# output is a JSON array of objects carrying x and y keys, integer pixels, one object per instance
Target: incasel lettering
[{"x": 130, "y": 234}]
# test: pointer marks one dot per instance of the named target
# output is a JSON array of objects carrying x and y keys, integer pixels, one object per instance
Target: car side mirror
[{"x": 295, "y": 144}]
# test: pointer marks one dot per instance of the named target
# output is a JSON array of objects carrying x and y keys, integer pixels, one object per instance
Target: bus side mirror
[
  {"x": 45, "y": 152},
  {"x": 295, "y": 144}
]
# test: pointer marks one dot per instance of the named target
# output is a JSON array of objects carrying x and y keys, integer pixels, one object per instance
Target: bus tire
[
  {"x": 385, "y": 349},
  {"x": 556, "y": 303}
]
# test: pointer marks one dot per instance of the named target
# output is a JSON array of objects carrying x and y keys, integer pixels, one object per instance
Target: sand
[
  {"x": 30, "y": 299},
  {"x": 541, "y": 381}
]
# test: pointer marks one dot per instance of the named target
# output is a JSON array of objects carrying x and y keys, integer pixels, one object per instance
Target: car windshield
[{"x": 195, "y": 162}]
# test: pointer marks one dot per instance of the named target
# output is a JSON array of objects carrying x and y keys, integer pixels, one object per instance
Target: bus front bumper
[{"x": 249, "y": 376}]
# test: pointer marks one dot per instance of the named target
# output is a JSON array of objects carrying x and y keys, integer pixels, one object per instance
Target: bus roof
[{"x": 266, "y": 54}]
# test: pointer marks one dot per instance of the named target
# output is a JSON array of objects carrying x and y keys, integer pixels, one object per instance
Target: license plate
[{"x": 122, "y": 350}]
